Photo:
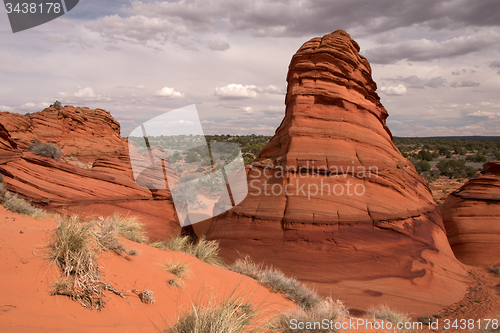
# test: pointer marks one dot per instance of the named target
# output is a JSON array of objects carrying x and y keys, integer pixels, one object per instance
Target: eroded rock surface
[
  {"x": 471, "y": 216},
  {"x": 334, "y": 203},
  {"x": 88, "y": 139}
]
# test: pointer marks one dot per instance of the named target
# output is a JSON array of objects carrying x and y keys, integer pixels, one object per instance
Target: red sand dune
[
  {"x": 385, "y": 244},
  {"x": 26, "y": 305},
  {"x": 471, "y": 216}
]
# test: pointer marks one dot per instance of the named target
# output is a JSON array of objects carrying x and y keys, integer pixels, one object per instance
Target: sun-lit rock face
[
  {"x": 471, "y": 216},
  {"x": 93, "y": 176},
  {"x": 334, "y": 203}
]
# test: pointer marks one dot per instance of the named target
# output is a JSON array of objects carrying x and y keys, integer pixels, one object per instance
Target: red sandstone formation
[
  {"x": 334, "y": 203},
  {"x": 84, "y": 135},
  {"x": 471, "y": 216}
]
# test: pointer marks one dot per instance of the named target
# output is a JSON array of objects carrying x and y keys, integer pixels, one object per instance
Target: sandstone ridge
[{"x": 93, "y": 176}]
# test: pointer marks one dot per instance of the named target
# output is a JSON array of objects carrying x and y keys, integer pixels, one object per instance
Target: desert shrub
[
  {"x": 44, "y": 149},
  {"x": 384, "y": 313},
  {"x": 497, "y": 154},
  {"x": 424, "y": 155},
  {"x": 74, "y": 248},
  {"x": 248, "y": 159},
  {"x": 57, "y": 105},
  {"x": 495, "y": 268},
  {"x": 476, "y": 158},
  {"x": 277, "y": 281},
  {"x": 253, "y": 148},
  {"x": 421, "y": 166},
  {"x": 177, "y": 268},
  {"x": 327, "y": 309},
  {"x": 232, "y": 316},
  {"x": 458, "y": 150},
  {"x": 18, "y": 205},
  {"x": 203, "y": 249},
  {"x": 455, "y": 168},
  {"x": 192, "y": 157},
  {"x": 126, "y": 226}
]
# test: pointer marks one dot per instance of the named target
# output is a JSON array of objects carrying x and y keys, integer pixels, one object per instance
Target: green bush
[
  {"x": 476, "y": 158},
  {"x": 45, "y": 149},
  {"x": 421, "y": 166},
  {"x": 456, "y": 169},
  {"x": 192, "y": 157},
  {"x": 57, "y": 105},
  {"x": 425, "y": 155}
]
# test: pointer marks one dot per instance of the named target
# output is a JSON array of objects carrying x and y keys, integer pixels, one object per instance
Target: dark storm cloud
[
  {"x": 426, "y": 50},
  {"x": 296, "y": 18},
  {"x": 496, "y": 65},
  {"x": 418, "y": 83}
]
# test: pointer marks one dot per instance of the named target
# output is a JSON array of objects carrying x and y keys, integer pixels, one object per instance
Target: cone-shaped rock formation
[{"x": 334, "y": 203}]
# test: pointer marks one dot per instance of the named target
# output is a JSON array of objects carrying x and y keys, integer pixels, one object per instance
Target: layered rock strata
[{"x": 334, "y": 203}]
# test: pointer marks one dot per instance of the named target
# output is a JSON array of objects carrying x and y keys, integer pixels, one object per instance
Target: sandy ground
[{"x": 26, "y": 306}]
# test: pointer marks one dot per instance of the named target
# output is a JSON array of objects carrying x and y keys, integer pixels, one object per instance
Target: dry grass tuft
[
  {"x": 232, "y": 316},
  {"x": 176, "y": 268},
  {"x": 383, "y": 312},
  {"x": 203, "y": 249},
  {"x": 277, "y": 281},
  {"x": 18, "y": 205},
  {"x": 327, "y": 309},
  {"x": 74, "y": 247}
]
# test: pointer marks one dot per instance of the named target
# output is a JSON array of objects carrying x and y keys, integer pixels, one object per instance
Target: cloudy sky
[{"x": 436, "y": 63}]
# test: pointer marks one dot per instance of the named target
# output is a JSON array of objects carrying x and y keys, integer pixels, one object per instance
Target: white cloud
[
  {"x": 271, "y": 89},
  {"x": 236, "y": 91},
  {"x": 168, "y": 92},
  {"x": 274, "y": 110},
  {"x": 85, "y": 93},
  {"x": 488, "y": 114},
  {"x": 6, "y": 108},
  {"x": 30, "y": 106},
  {"x": 248, "y": 110},
  {"x": 398, "y": 90}
]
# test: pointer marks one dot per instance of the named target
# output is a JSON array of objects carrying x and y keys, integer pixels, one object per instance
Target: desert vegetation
[
  {"x": 203, "y": 249},
  {"x": 45, "y": 149},
  {"x": 74, "y": 248},
  {"x": 452, "y": 157},
  {"x": 16, "y": 204},
  {"x": 234, "y": 315},
  {"x": 385, "y": 313}
]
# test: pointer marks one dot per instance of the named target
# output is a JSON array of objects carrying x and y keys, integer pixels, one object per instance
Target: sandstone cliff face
[
  {"x": 333, "y": 202},
  {"x": 471, "y": 216},
  {"x": 90, "y": 136}
]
